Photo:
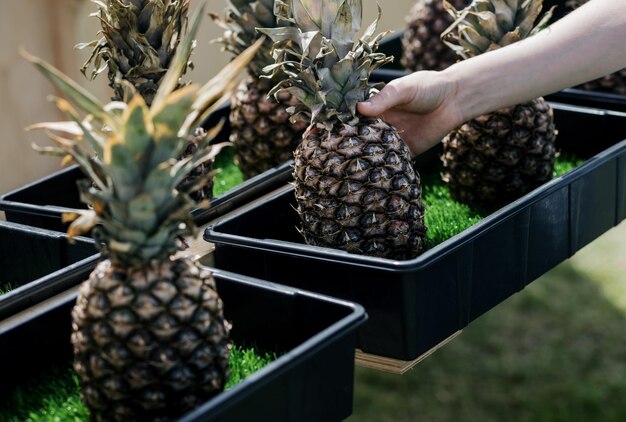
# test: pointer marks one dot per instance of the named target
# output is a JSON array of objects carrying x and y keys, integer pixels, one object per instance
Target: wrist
[{"x": 457, "y": 107}]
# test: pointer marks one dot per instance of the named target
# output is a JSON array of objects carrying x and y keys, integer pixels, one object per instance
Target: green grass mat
[
  {"x": 7, "y": 287},
  {"x": 55, "y": 396},
  {"x": 227, "y": 174},
  {"x": 444, "y": 217}
]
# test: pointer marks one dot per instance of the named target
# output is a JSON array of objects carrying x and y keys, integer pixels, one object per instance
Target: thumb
[{"x": 380, "y": 102}]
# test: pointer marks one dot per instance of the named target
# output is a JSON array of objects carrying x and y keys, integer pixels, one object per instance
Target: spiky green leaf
[
  {"x": 179, "y": 62},
  {"x": 80, "y": 97}
]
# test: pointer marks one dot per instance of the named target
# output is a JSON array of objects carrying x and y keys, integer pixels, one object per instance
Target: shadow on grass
[{"x": 554, "y": 352}]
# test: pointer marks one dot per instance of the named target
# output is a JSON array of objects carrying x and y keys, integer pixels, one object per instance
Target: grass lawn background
[{"x": 554, "y": 352}]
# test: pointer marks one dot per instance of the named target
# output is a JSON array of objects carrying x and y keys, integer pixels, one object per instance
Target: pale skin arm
[{"x": 588, "y": 43}]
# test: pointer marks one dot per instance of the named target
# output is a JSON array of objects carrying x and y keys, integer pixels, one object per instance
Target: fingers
[{"x": 394, "y": 94}]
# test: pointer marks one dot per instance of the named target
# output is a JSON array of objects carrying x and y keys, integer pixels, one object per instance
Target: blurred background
[
  {"x": 554, "y": 352},
  {"x": 50, "y": 29}
]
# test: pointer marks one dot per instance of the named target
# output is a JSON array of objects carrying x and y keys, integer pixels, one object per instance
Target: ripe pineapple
[
  {"x": 261, "y": 131},
  {"x": 422, "y": 46},
  {"x": 149, "y": 336},
  {"x": 355, "y": 186},
  {"x": 498, "y": 157},
  {"x": 140, "y": 38},
  {"x": 614, "y": 83}
]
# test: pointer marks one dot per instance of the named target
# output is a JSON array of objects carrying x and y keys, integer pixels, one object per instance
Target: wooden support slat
[{"x": 395, "y": 366}]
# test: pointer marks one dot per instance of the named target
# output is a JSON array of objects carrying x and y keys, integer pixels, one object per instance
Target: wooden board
[{"x": 395, "y": 366}]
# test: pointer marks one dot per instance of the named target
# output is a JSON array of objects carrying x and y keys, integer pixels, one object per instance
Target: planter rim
[
  {"x": 438, "y": 252},
  {"x": 220, "y": 403},
  {"x": 219, "y": 205},
  {"x": 292, "y": 358},
  {"x": 63, "y": 278}
]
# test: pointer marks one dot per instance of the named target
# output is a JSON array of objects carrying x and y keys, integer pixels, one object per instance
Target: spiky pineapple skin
[
  {"x": 422, "y": 46},
  {"x": 614, "y": 83},
  {"x": 204, "y": 170},
  {"x": 501, "y": 156},
  {"x": 149, "y": 344},
  {"x": 357, "y": 190},
  {"x": 261, "y": 132},
  {"x": 573, "y": 4}
]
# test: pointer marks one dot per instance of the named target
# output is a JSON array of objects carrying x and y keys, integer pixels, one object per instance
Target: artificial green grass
[
  {"x": 7, "y": 287},
  {"x": 55, "y": 396},
  {"x": 444, "y": 217},
  {"x": 246, "y": 361},
  {"x": 227, "y": 174}
]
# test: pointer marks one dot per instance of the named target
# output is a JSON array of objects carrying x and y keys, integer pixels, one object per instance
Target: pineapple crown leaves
[
  {"x": 239, "y": 22},
  {"x": 486, "y": 25},
  {"x": 326, "y": 63},
  {"x": 135, "y": 176},
  {"x": 139, "y": 39}
]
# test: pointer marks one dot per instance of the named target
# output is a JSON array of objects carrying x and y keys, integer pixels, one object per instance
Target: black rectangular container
[
  {"x": 415, "y": 304},
  {"x": 39, "y": 264},
  {"x": 312, "y": 380},
  {"x": 392, "y": 46},
  {"x": 41, "y": 203}
]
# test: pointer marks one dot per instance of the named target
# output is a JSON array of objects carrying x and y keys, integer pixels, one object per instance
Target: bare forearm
[{"x": 587, "y": 44}]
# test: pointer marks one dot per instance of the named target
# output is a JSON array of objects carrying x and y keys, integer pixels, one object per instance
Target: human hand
[{"x": 421, "y": 106}]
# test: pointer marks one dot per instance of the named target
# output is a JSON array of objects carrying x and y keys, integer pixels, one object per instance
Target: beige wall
[{"x": 50, "y": 29}]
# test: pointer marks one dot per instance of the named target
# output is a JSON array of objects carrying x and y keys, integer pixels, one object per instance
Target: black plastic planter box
[
  {"x": 415, "y": 304},
  {"x": 39, "y": 264},
  {"x": 392, "y": 46},
  {"x": 312, "y": 379},
  {"x": 41, "y": 203}
]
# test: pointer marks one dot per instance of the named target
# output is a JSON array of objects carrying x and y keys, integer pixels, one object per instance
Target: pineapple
[
  {"x": 261, "y": 132},
  {"x": 354, "y": 183},
  {"x": 149, "y": 336},
  {"x": 422, "y": 46},
  {"x": 614, "y": 83},
  {"x": 498, "y": 157},
  {"x": 140, "y": 38},
  {"x": 573, "y": 4}
]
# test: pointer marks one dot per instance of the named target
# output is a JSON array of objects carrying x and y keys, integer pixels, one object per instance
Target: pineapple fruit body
[
  {"x": 204, "y": 170},
  {"x": 261, "y": 132},
  {"x": 614, "y": 83},
  {"x": 149, "y": 343},
  {"x": 421, "y": 42},
  {"x": 500, "y": 156},
  {"x": 357, "y": 190}
]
